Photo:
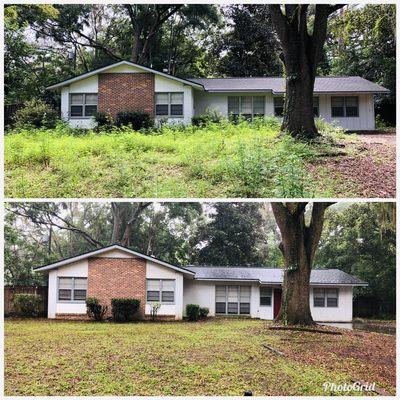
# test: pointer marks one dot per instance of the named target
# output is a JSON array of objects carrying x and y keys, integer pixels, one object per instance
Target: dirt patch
[{"x": 368, "y": 170}]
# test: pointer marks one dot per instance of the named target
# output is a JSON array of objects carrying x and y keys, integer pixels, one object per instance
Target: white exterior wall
[
  {"x": 77, "y": 269},
  {"x": 156, "y": 271},
  {"x": 162, "y": 84},
  {"x": 342, "y": 313},
  {"x": 204, "y": 101},
  {"x": 203, "y": 294}
]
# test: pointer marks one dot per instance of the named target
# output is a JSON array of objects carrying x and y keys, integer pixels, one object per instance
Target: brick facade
[
  {"x": 126, "y": 92},
  {"x": 117, "y": 277}
]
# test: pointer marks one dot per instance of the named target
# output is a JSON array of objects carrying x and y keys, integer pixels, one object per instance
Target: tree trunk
[{"x": 298, "y": 246}]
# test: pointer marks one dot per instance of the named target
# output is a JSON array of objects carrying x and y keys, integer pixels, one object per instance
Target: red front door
[{"x": 277, "y": 301}]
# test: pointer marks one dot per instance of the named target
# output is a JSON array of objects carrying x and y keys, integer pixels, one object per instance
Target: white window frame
[
  {"x": 72, "y": 289},
  {"x": 326, "y": 296},
  {"x": 344, "y": 107},
  {"x": 160, "y": 291},
  {"x": 270, "y": 297},
  {"x": 253, "y": 114},
  {"x": 238, "y": 302},
  {"x": 169, "y": 105},
  {"x": 83, "y": 105}
]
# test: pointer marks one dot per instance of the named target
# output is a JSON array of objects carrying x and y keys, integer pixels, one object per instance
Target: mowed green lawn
[
  {"x": 216, "y": 357},
  {"x": 220, "y": 160}
]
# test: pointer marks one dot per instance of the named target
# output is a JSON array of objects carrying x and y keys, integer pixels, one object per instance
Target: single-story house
[
  {"x": 125, "y": 86},
  {"x": 117, "y": 271}
]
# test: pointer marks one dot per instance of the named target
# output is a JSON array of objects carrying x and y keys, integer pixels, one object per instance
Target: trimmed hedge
[
  {"x": 124, "y": 309},
  {"x": 193, "y": 312},
  {"x": 204, "y": 312},
  {"x": 27, "y": 305},
  {"x": 135, "y": 119}
]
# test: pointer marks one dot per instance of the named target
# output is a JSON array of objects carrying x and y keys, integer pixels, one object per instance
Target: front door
[{"x": 277, "y": 301}]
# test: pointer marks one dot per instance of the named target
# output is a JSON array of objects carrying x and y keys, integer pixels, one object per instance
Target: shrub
[
  {"x": 154, "y": 310},
  {"x": 27, "y": 305},
  {"x": 94, "y": 309},
  {"x": 204, "y": 312},
  {"x": 104, "y": 120},
  {"x": 124, "y": 309},
  {"x": 193, "y": 312},
  {"x": 211, "y": 116},
  {"x": 36, "y": 114},
  {"x": 135, "y": 119}
]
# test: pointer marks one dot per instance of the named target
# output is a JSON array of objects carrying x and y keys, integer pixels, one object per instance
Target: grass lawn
[
  {"x": 220, "y": 160},
  {"x": 217, "y": 357}
]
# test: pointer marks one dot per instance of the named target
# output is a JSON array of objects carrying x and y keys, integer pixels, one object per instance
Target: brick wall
[
  {"x": 126, "y": 92},
  {"x": 117, "y": 277}
]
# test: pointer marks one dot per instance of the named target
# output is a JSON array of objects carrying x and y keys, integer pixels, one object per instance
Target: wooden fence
[{"x": 11, "y": 291}]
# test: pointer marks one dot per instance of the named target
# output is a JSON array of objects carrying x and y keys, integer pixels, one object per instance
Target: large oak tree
[{"x": 302, "y": 49}]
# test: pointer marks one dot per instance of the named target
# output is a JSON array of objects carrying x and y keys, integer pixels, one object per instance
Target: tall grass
[{"x": 218, "y": 160}]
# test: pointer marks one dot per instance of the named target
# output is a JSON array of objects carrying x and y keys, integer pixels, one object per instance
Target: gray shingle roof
[
  {"x": 330, "y": 84},
  {"x": 273, "y": 275}
]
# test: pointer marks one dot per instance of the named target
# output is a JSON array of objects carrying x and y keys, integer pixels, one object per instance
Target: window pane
[
  {"x": 167, "y": 297},
  {"x": 337, "y": 112},
  {"x": 65, "y": 283},
  {"x": 76, "y": 99},
  {"x": 316, "y": 106},
  {"x": 220, "y": 308},
  {"x": 233, "y": 294},
  {"x": 351, "y": 101},
  {"x": 265, "y": 296},
  {"x": 319, "y": 302},
  {"x": 265, "y": 301},
  {"x": 76, "y": 111},
  {"x": 232, "y": 308},
  {"x": 162, "y": 98},
  {"x": 91, "y": 98},
  {"x": 233, "y": 105},
  {"x": 64, "y": 294},
  {"x": 220, "y": 294},
  {"x": 153, "y": 284},
  {"x": 258, "y": 105},
  {"x": 80, "y": 283},
  {"x": 332, "y": 293},
  {"x": 90, "y": 111},
  {"x": 246, "y": 105},
  {"x": 153, "y": 296},
  {"x": 331, "y": 302},
  {"x": 319, "y": 297},
  {"x": 162, "y": 109},
  {"x": 337, "y": 101},
  {"x": 245, "y": 294},
  {"x": 278, "y": 101},
  {"x": 176, "y": 98},
  {"x": 168, "y": 284},
  {"x": 176, "y": 109},
  {"x": 266, "y": 291},
  {"x": 244, "y": 308},
  {"x": 79, "y": 294}
]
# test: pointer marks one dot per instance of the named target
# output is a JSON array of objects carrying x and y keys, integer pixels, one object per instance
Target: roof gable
[
  {"x": 118, "y": 66},
  {"x": 107, "y": 249}
]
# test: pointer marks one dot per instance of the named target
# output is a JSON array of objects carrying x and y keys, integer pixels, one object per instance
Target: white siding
[
  {"x": 162, "y": 84},
  {"x": 156, "y": 271},
  {"x": 77, "y": 269},
  {"x": 115, "y": 254},
  {"x": 342, "y": 313}
]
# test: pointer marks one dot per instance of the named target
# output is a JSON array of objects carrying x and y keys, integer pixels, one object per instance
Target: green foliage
[
  {"x": 35, "y": 114},
  {"x": 203, "y": 312},
  {"x": 219, "y": 160},
  {"x": 357, "y": 241},
  {"x": 27, "y": 305},
  {"x": 104, "y": 121},
  {"x": 95, "y": 310},
  {"x": 124, "y": 309},
  {"x": 137, "y": 120},
  {"x": 211, "y": 116},
  {"x": 193, "y": 312}
]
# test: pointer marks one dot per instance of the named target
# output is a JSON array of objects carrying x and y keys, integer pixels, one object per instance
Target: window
[
  {"x": 332, "y": 297},
  {"x": 83, "y": 105},
  {"x": 319, "y": 297},
  {"x": 326, "y": 297},
  {"x": 344, "y": 106},
  {"x": 72, "y": 289},
  {"x": 265, "y": 296},
  {"x": 316, "y": 106},
  {"x": 247, "y": 106},
  {"x": 169, "y": 104},
  {"x": 278, "y": 106},
  {"x": 161, "y": 290},
  {"x": 232, "y": 299}
]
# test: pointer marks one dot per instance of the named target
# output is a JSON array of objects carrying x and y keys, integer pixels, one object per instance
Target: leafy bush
[
  {"x": 211, "y": 116},
  {"x": 135, "y": 119},
  {"x": 36, "y": 114},
  {"x": 124, "y": 309},
  {"x": 154, "y": 310},
  {"x": 27, "y": 305},
  {"x": 193, "y": 312},
  {"x": 104, "y": 120},
  {"x": 204, "y": 312},
  {"x": 94, "y": 309}
]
